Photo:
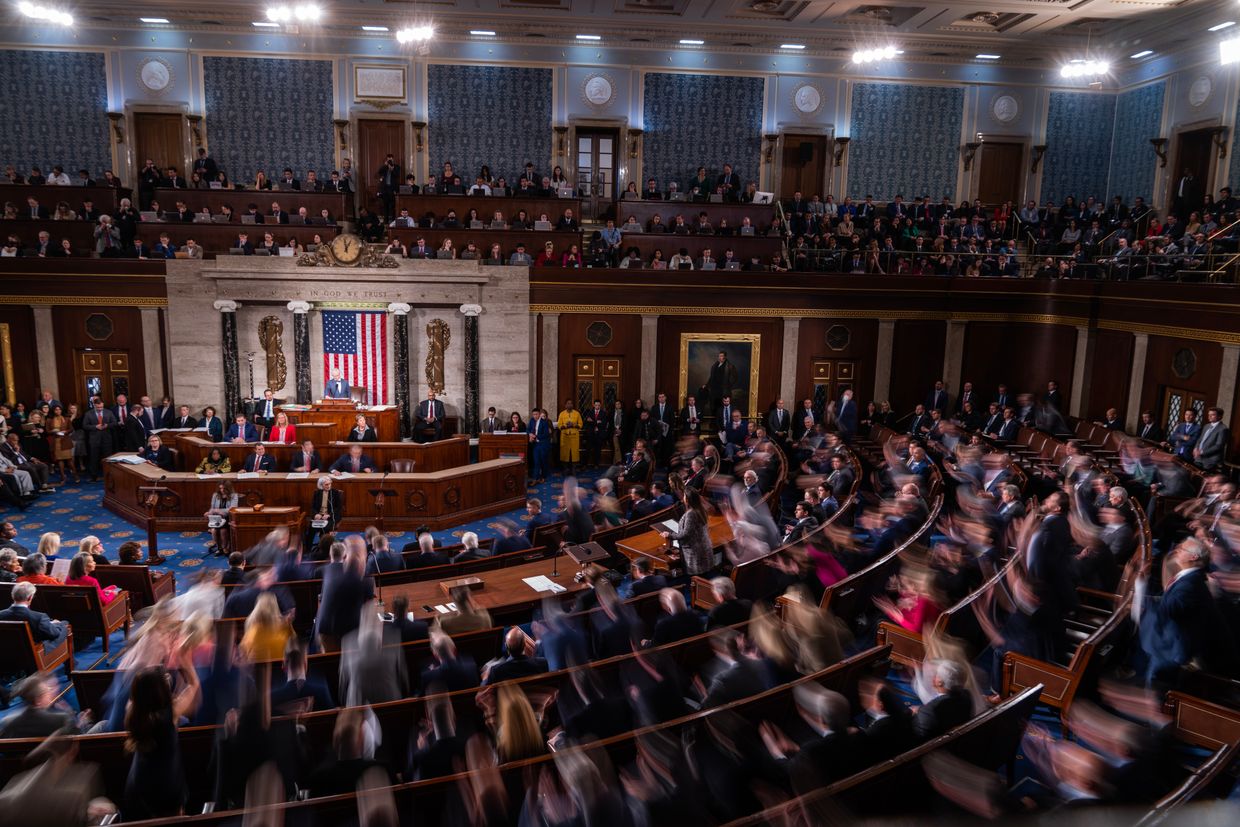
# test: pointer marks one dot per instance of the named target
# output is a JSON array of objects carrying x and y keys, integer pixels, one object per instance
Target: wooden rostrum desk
[{"x": 427, "y": 457}]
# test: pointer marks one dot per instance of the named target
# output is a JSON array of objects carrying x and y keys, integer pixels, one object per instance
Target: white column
[
  {"x": 1226, "y": 396},
  {"x": 650, "y": 344},
  {"x": 953, "y": 356},
  {"x": 550, "y": 362},
  {"x": 788, "y": 368},
  {"x": 1081, "y": 365},
  {"x": 1136, "y": 381},
  {"x": 882, "y": 366},
  {"x": 45, "y": 352},
  {"x": 152, "y": 352}
]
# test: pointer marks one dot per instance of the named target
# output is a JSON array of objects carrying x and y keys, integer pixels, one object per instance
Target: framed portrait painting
[{"x": 713, "y": 365}]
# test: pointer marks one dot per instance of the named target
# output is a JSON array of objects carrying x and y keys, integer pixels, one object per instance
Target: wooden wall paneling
[
  {"x": 626, "y": 342},
  {"x": 916, "y": 362},
  {"x": 1108, "y": 386},
  {"x": 1023, "y": 356},
  {"x": 376, "y": 137},
  {"x": 862, "y": 348},
  {"x": 69, "y": 325},
  {"x": 667, "y": 366},
  {"x": 22, "y": 344},
  {"x": 1160, "y": 370}
]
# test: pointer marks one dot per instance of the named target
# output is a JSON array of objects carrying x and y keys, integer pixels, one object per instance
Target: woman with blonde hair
[
  {"x": 49, "y": 544},
  {"x": 266, "y": 631},
  {"x": 517, "y": 733}
]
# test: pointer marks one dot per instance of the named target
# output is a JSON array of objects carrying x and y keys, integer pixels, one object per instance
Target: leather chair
[{"x": 401, "y": 466}]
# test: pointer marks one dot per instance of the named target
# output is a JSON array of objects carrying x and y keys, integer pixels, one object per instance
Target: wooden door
[
  {"x": 161, "y": 138},
  {"x": 376, "y": 138},
  {"x": 1195, "y": 153},
  {"x": 596, "y": 377},
  {"x": 1175, "y": 402},
  {"x": 829, "y": 378},
  {"x": 100, "y": 373},
  {"x": 1000, "y": 172},
  {"x": 804, "y": 166},
  {"x": 597, "y": 155}
]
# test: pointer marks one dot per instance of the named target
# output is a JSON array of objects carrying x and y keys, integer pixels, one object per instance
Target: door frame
[
  {"x": 130, "y": 161},
  {"x": 975, "y": 170},
  {"x": 775, "y": 163},
  {"x": 1170, "y": 172},
  {"x": 627, "y": 162},
  {"x": 410, "y": 161}
]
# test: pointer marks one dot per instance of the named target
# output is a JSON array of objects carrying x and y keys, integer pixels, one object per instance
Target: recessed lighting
[
  {"x": 374, "y": 28},
  {"x": 1229, "y": 51},
  {"x": 1221, "y": 26},
  {"x": 481, "y": 33},
  {"x": 797, "y": 46},
  {"x": 692, "y": 42},
  {"x": 44, "y": 13},
  {"x": 589, "y": 37},
  {"x": 153, "y": 19},
  {"x": 1141, "y": 54},
  {"x": 265, "y": 25},
  {"x": 988, "y": 57}
]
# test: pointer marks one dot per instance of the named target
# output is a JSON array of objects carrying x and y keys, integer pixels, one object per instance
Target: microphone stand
[{"x": 555, "y": 561}]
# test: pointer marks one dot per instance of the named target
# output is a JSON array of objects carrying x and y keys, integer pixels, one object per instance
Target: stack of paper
[{"x": 542, "y": 583}]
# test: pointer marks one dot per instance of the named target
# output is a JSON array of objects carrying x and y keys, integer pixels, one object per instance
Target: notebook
[
  {"x": 219, "y": 219},
  {"x": 405, "y": 189},
  {"x": 199, "y": 218},
  {"x": 262, "y": 253}
]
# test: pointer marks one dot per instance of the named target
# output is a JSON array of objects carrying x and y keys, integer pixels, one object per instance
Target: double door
[
  {"x": 1175, "y": 402},
  {"x": 828, "y": 379},
  {"x": 100, "y": 373},
  {"x": 597, "y": 154}
]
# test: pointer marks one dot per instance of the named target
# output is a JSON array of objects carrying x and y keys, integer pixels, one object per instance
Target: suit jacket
[
  {"x": 385, "y": 561},
  {"x": 541, "y": 431},
  {"x": 511, "y": 668},
  {"x": 256, "y": 463},
  {"x": 311, "y": 688},
  {"x": 1177, "y": 627},
  {"x": 918, "y": 422},
  {"x": 337, "y": 389},
  {"x": 215, "y": 428},
  {"x": 1213, "y": 444},
  {"x": 491, "y": 425},
  {"x": 948, "y": 710},
  {"x": 369, "y": 435},
  {"x": 778, "y": 421},
  {"x": 846, "y": 416},
  {"x": 1184, "y": 438},
  {"x": 735, "y": 435},
  {"x": 162, "y": 457},
  {"x": 344, "y": 594},
  {"x": 1151, "y": 432},
  {"x": 37, "y": 723},
  {"x": 936, "y": 400},
  {"x": 249, "y": 435},
  {"x": 133, "y": 433},
  {"x": 335, "y": 506},
  {"x": 427, "y": 407},
  {"x": 41, "y": 627},
  {"x": 1009, "y": 430},
  {"x": 299, "y": 463}
]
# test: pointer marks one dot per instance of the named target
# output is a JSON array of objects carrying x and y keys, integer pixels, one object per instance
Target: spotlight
[
  {"x": 301, "y": 13},
  {"x": 863, "y": 56},
  {"x": 1084, "y": 68},
  {"x": 45, "y": 13},
  {"x": 415, "y": 34},
  {"x": 1229, "y": 51}
]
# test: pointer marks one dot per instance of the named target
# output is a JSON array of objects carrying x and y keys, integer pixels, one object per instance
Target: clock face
[
  {"x": 807, "y": 99},
  {"x": 346, "y": 248},
  {"x": 154, "y": 74},
  {"x": 598, "y": 90}
]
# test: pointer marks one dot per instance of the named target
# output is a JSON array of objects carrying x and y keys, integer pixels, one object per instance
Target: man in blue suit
[
  {"x": 260, "y": 460},
  {"x": 540, "y": 438},
  {"x": 354, "y": 462},
  {"x": 846, "y": 416},
  {"x": 734, "y": 433},
  {"x": 241, "y": 431},
  {"x": 337, "y": 388},
  {"x": 1184, "y": 438},
  {"x": 538, "y": 517},
  {"x": 1176, "y": 628}
]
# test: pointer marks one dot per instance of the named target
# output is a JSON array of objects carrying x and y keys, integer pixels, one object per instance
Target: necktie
[
  {"x": 355, "y": 464},
  {"x": 268, "y": 414}
]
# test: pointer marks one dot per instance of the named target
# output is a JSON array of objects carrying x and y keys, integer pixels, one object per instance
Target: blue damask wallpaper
[
  {"x": 905, "y": 140},
  {"x": 494, "y": 115},
  {"x": 1138, "y": 117},
  {"x": 268, "y": 113},
  {"x": 57, "y": 112},
  {"x": 1079, "y": 128},
  {"x": 701, "y": 120},
  {"x": 1233, "y": 178}
]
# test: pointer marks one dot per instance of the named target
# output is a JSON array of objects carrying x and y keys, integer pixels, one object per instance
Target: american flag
[{"x": 356, "y": 343}]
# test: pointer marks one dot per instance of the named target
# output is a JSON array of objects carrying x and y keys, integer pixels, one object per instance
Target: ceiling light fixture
[
  {"x": 263, "y": 24},
  {"x": 1229, "y": 51},
  {"x": 415, "y": 34},
  {"x": 482, "y": 33},
  {"x": 374, "y": 28},
  {"x": 1221, "y": 26},
  {"x": 985, "y": 56},
  {"x": 692, "y": 42},
  {"x": 45, "y": 13},
  {"x": 872, "y": 55},
  {"x": 1084, "y": 68},
  {"x": 796, "y": 46},
  {"x": 153, "y": 19},
  {"x": 301, "y": 13},
  {"x": 1141, "y": 54},
  {"x": 589, "y": 37}
]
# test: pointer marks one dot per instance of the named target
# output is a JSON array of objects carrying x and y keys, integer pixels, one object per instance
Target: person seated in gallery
[
  {"x": 354, "y": 462},
  {"x": 362, "y": 432}
]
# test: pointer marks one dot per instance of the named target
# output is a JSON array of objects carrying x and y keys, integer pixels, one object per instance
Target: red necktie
[{"x": 355, "y": 464}]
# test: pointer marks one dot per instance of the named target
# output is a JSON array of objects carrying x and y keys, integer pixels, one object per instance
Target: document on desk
[
  {"x": 444, "y": 608},
  {"x": 543, "y": 583},
  {"x": 670, "y": 525},
  {"x": 297, "y": 475},
  {"x": 248, "y": 475}
]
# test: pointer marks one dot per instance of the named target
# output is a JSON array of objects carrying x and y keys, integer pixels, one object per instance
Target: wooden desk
[
  {"x": 104, "y": 199},
  {"x": 743, "y": 246},
  {"x": 499, "y": 446},
  {"x": 483, "y": 239},
  {"x": 249, "y": 526},
  {"x": 428, "y": 457},
  {"x": 486, "y": 205},
  {"x": 240, "y": 200},
  {"x": 760, "y": 215},
  {"x": 386, "y": 422},
  {"x": 440, "y": 499},
  {"x": 653, "y": 547},
  {"x": 503, "y": 591}
]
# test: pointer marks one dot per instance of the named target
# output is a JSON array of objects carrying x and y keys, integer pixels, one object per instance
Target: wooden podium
[
  {"x": 343, "y": 414},
  {"x": 250, "y": 526}
]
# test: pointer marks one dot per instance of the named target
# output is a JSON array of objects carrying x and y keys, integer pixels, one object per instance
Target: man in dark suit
[
  {"x": 157, "y": 454},
  {"x": 384, "y": 558},
  {"x": 306, "y": 460},
  {"x": 1053, "y": 397},
  {"x": 389, "y": 179},
  {"x": 597, "y": 424},
  {"x": 259, "y": 461},
  {"x": 287, "y": 181},
  {"x": 1002, "y": 397},
  {"x": 827, "y": 752},
  {"x": 677, "y": 621},
  {"x": 439, "y": 752},
  {"x": 345, "y": 591},
  {"x": 841, "y": 478},
  {"x": 451, "y": 672},
  {"x": 735, "y": 431},
  {"x": 936, "y": 400},
  {"x": 846, "y": 415},
  {"x": 241, "y": 431},
  {"x": 172, "y": 180},
  {"x": 308, "y": 694},
  {"x": 645, "y": 580},
  {"x": 205, "y": 166},
  {"x": 516, "y": 663},
  {"x": 663, "y": 415},
  {"x": 337, "y": 387},
  {"x": 642, "y": 505},
  {"x": 428, "y": 554},
  {"x": 34, "y": 209},
  {"x": 509, "y": 539},
  {"x": 1183, "y": 438},
  {"x": 265, "y": 410},
  {"x": 1180, "y": 626},
  {"x": 51, "y": 633},
  {"x": 920, "y": 423},
  {"x": 1211, "y": 447},
  {"x": 491, "y": 423},
  {"x": 37, "y": 719},
  {"x": 691, "y": 418},
  {"x": 951, "y": 706},
  {"x": 134, "y": 430},
  {"x": 889, "y": 728},
  {"x": 354, "y": 462},
  {"x": 430, "y": 416},
  {"x": 1049, "y": 564},
  {"x": 730, "y": 184},
  {"x": 244, "y": 244},
  {"x": 779, "y": 422},
  {"x": 278, "y": 215},
  {"x": 1148, "y": 429},
  {"x": 1010, "y": 429},
  {"x": 728, "y": 609},
  {"x": 802, "y": 525},
  {"x": 533, "y": 507}
]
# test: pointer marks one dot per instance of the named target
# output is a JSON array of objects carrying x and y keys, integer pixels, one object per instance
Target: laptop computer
[
  {"x": 564, "y": 192},
  {"x": 147, "y": 215},
  {"x": 715, "y": 198},
  {"x": 219, "y": 219},
  {"x": 710, "y": 265},
  {"x": 215, "y": 185},
  {"x": 262, "y": 252},
  {"x": 247, "y": 219},
  {"x": 317, "y": 221},
  {"x": 763, "y": 197},
  {"x": 180, "y": 254},
  {"x": 746, "y": 230},
  {"x": 500, "y": 191},
  {"x": 476, "y": 225},
  {"x": 283, "y": 187},
  {"x": 443, "y": 254},
  {"x": 405, "y": 189},
  {"x": 498, "y": 225},
  {"x": 199, "y": 218},
  {"x": 732, "y": 265},
  {"x": 236, "y": 251},
  {"x": 299, "y": 220},
  {"x": 286, "y": 252},
  {"x": 542, "y": 225},
  {"x": 676, "y": 196}
]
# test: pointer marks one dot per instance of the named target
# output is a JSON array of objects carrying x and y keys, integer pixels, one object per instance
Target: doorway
[
  {"x": 804, "y": 166},
  {"x": 1000, "y": 172},
  {"x": 159, "y": 136},
  {"x": 376, "y": 138},
  {"x": 597, "y": 151},
  {"x": 100, "y": 373},
  {"x": 1190, "y": 179},
  {"x": 829, "y": 378},
  {"x": 1175, "y": 402}
]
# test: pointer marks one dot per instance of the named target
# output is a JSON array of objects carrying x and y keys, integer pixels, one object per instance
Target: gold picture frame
[
  {"x": 6, "y": 364},
  {"x": 692, "y": 347},
  {"x": 375, "y": 84}
]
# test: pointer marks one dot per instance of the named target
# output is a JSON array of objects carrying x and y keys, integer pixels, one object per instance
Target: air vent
[
  {"x": 639, "y": 40},
  {"x": 764, "y": 6},
  {"x": 210, "y": 23},
  {"x": 534, "y": 34},
  {"x": 742, "y": 45}
]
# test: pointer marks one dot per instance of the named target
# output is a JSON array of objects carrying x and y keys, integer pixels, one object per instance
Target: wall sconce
[
  {"x": 970, "y": 152},
  {"x": 418, "y": 126},
  {"x": 841, "y": 144},
  {"x": 1220, "y": 140},
  {"x": 770, "y": 140},
  {"x": 117, "y": 120},
  {"x": 195, "y": 128},
  {"x": 342, "y": 132},
  {"x": 635, "y": 142},
  {"x": 1160, "y": 149},
  {"x": 1036, "y": 161},
  {"x": 560, "y": 132}
]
